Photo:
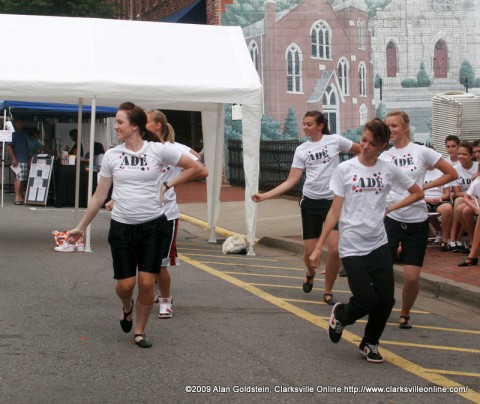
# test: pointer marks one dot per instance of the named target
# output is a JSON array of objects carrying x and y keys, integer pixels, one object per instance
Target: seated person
[
  {"x": 34, "y": 143},
  {"x": 471, "y": 201},
  {"x": 438, "y": 200},
  {"x": 466, "y": 169},
  {"x": 73, "y": 135},
  {"x": 97, "y": 149}
]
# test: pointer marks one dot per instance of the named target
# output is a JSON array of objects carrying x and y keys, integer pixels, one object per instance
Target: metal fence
[{"x": 275, "y": 162}]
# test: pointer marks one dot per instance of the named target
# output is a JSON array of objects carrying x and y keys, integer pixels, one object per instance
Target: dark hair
[
  {"x": 319, "y": 119},
  {"x": 476, "y": 143},
  {"x": 137, "y": 116},
  {"x": 73, "y": 133},
  {"x": 467, "y": 145},
  {"x": 379, "y": 130},
  {"x": 455, "y": 138}
]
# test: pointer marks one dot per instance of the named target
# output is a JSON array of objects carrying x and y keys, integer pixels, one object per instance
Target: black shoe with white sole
[
  {"x": 335, "y": 327},
  {"x": 370, "y": 352}
]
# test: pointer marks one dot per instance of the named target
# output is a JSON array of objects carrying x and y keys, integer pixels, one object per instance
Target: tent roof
[{"x": 156, "y": 65}]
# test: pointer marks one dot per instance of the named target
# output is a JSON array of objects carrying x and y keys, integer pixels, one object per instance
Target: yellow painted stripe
[
  {"x": 265, "y": 275},
  {"x": 220, "y": 230},
  {"x": 250, "y": 265},
  {"x": 315, "y": 302},
  {"x": 425, "y": 346},
  {"x": 453, "y": 372},
  {"x": 233, "y": 256},
  {"x": 347, "y": 336},
  {"x": 290, "y": 287}
]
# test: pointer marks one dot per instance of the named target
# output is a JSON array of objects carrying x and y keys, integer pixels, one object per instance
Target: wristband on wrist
[{"x": 166, "y": 185}]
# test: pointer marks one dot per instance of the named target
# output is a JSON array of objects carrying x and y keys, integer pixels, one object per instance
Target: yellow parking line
[
  {"x": 267, "y": 285},
  {"x": 265, "y": 275},
  {"x": 453, "y": 372},
  {"x": 315, "y": 302},
  {"x": 250, "y": 265},
  {"x": 234, "y": 256},
  {"x": 425, "y": 346},
  {"x": 347, "y": 336}
]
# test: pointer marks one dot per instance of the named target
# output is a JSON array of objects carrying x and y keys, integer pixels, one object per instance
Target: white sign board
[{"x": 5, "y": 136}]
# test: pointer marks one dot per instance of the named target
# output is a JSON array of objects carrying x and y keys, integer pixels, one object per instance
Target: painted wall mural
[{"x": 355, "y": 59}]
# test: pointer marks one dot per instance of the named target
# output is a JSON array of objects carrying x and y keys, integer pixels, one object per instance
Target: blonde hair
[
  {"x": 167, "y": 133},
  {"x": 405, "y": 118}
]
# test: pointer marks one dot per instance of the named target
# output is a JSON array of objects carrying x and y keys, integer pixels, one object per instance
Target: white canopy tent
[{"x": 155, "y": 65}]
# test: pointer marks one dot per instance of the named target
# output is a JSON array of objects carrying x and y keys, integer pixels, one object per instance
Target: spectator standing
[{"x": 19, "y": 154}]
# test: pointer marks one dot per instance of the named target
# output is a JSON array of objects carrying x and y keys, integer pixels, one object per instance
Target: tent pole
[
  {"x": 3, "y": 151},
  {"x": 90, "y": 167},
  {"x": 79, "y": 151}
]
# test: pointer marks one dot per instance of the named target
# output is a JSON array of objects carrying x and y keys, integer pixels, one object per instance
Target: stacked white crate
[{"x": 455, "y": 113}]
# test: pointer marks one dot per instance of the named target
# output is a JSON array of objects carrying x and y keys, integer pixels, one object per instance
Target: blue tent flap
[{"x": 42, "y": 106}]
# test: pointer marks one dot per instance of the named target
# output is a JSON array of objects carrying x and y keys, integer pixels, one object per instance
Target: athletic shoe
[
  {"x": 166, "y": 308},
  {"x": 157, "y": 299},
  {"x": 342, "y": 273},
  {"x": 455, "y": 246},
  {"x": 438, "y": 239},
  {"x": 67, "y": 247},
  {"x": 370, "y": 352},
  {"x": 335, "y": 327}
]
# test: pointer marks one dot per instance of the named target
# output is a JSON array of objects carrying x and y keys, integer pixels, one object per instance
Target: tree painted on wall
[
  {"x": 422, "y": 77},
  {"x": 270, "y": 128},
  {"x": 246, "y": 12},
  {"x": 381, "y": 111},
  {"x": 467, "y": 75},
  {"x": 290, "y": 126}
]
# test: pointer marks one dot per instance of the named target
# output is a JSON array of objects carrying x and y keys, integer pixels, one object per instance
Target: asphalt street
[{"x": 242, "y": 331}]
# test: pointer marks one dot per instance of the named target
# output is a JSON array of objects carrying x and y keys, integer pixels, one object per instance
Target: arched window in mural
[
  {"x": 330, "y": 109},
  {"x": 321, "y": 40},
  {"x": 294, "y": 69},
  {"x": 253, "y": 49},
  {"x": 362, "y": 79},
  {"x": 392, "y": 60},
  {"x": 363, "y": 114},
  {"x": 440, "y": 60},
  {"x": 342, "y": 71},
  {"x": 361, "y": 34}
]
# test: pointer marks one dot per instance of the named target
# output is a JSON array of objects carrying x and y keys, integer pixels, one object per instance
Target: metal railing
[{"x": 275, "y": 162}]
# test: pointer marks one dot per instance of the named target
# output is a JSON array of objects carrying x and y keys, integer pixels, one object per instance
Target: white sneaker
[
  {"x": 67, "y": 247},
  {"x": 166, "y": 308},
  {"x": 438, "y": 239}
]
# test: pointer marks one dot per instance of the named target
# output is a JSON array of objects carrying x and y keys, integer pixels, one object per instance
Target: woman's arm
[
  {"x": 293, "y": 177},
  {"x": 449, "y": 175},
  {"x": 416, "y": 194},
  {"x": 330, "y": 222},
  {"x": 97, "y": 201}
]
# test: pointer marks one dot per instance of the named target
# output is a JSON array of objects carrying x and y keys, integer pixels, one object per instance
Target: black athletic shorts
[
  {"x": 137, "y": 245},
  {"x": 314, "y": 213}
]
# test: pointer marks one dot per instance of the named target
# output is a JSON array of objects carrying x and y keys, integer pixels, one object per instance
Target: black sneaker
[
  {"x": 342, "y": 273},
  {"x": 370, "y": 352},
  {"x": 335, "y": 327}
]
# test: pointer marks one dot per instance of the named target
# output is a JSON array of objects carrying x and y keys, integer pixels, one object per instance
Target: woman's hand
[
  {"x": 315, "y": 258},
  {"x": 74, "y": 235},
  {"x": 257, "y": 197},
  {"x": 109, "y": 205}
]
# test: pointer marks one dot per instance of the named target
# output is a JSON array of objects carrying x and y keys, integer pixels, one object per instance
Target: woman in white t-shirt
[
  {"x": 157, "y": 124},
  {"x": 318, "y": 158},
  {"x": 408, "y": 226},
  {"x": 361, "y": 187},
  {"x": 134, "y": 169},
  {"x": 472, "y": 201},
  {"x": 467, "y": 170}
]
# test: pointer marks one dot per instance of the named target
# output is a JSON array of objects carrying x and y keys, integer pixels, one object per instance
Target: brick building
[
  {"x": 315, "y": 55},
  {"x": 184, "y": 11}
]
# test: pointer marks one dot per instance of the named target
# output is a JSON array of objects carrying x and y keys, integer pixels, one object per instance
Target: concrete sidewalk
[{"x": 279, "y": 226}]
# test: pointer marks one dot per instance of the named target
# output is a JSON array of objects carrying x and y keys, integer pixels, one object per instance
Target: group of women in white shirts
[{"x": 375, "y": 200}]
